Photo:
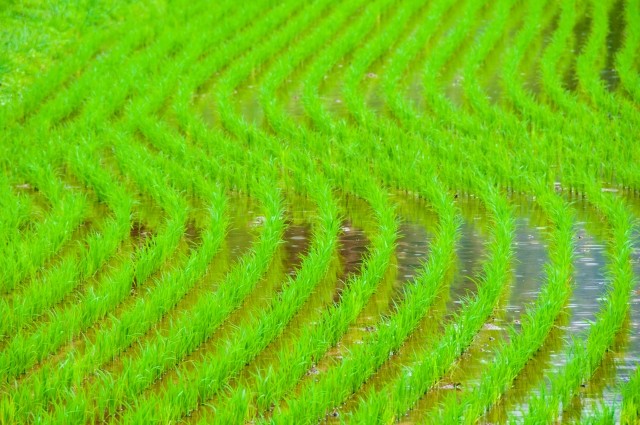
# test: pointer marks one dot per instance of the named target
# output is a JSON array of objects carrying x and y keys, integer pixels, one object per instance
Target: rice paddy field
[{"x": 368, "y": 212}]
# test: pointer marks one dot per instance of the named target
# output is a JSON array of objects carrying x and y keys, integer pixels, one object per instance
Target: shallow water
[
  {"x": 416, "y": 231},
  {"x": 590, "y": 286},
  {"x": 524, "y": 286},
  {"x": 623, "y": 360}
]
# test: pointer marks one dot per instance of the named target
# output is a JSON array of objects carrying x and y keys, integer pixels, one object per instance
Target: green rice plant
[
  {"x": 65, "y": 103},
  {"x": 484, "y": 44},
  {"x": 543, "y": 121},
  {"x": 136, "y": 40},
  {"x": 200, "y": 75},
  {"x": 619, "y": 115},
  {"x": 554, "y": 54},
  {"x": 247, "y": 272},
  {"x": 593, "y": 55},
  {"x": 399, "y": 396},
  {"x": 452, "y": 407},
  {"x": 536, "y": 323},
  {"x": 604, "y": 415},
  {"x": 147, "y": 260},
  {"x": 274, "y": 78},
  {"x": 627, "y": 55},
  {"x": 590, "y": 127},
  {"x": 15, "y": 210},
  {"x": 71, "y": 279},
  {"x": 26, "y": 255},
  {"x": 366, "y": 56},
  {"x": 333, "y": 323},
  {"x": 405, "y": 52},
  {"x": 354, "y": 292},
  {"x": 174, "y": 287},
  {"x": 525, "y": 106},
  {"x": 73, "y": 269},
  {"x": 99, "y": 247},
  {"x": 242, "y": 69},
  {"x": 43, "y": 87},
  {"x": 243, "y": 345},
  {"x": 443, "y": 51},
  {"x": 158, "y": 92},
  {"x": 630, "y": 412},
  {"x": 157, "y": 101},
  {"x": 124, "y": 329},
  {"x": 522, "y": 99},
  {"x": 586, "y": 354},
  {"x": 272, "y": 376},
  {"x": 593, "y": 58},
  {"x": 343, "y": 306},
  {"x": 313, "y": 107},
  {"x": 39, "y": 35}
]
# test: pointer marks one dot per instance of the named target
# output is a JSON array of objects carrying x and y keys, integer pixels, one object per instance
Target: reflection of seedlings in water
[
  {"x": 297, "y": 246},
  {"x": 353, "y": 246},
  {"x": 581, "y": 32},
  {"x": 452, "y": 386},
  {"x": 589, "y": 264},
  {"x": 412, "y": 249},
  {"x": 470, "y": 252},
  {"x": 193, "y": 235},
  {"x": 26, "y": 187},
  {"x": 140, "y": 234},
  {"x": 258, "y": 221},
  {"x": 529, "y": 275},
  {"x": 614, "y": 40}
]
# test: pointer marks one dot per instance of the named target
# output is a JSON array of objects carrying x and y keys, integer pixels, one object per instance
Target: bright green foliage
[{"x": 153, "y": 156}]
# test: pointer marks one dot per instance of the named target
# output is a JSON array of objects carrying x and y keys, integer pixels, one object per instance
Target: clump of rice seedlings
[
  {"x": 399, "y": 396},
  {"x": 17, "y": 214},
  {"x": 630, "y": 412},
  {"x": 28, "y": 349},
  {"x": 585, "y": 355},
  {"x": 536, "y": 323},
  {"x": 140, "y": 125},
  {"x": 313, "y": 344},
  {"x": 75, "y": 267},
  {"x": 446, "y": 47},
  {"x": 625, "y": 58},
  {"x": 243, "y": 345},
  {"x": 403, "y": 109},
  {"x": 26, "y": 255}
]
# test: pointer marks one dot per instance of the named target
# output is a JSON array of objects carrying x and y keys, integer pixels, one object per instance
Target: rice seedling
[
  {"x": 510, "y": 357},
  {"x": 630, "y": 404},
  {"x": 417, "y": 379},
  {"x": 131, "y": 131},
  {"x": 625, "y": 58},
  {"x": 586, "y": 355}
]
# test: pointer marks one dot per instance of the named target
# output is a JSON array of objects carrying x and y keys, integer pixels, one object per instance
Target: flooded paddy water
[{"x": 416, "y": 232}]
